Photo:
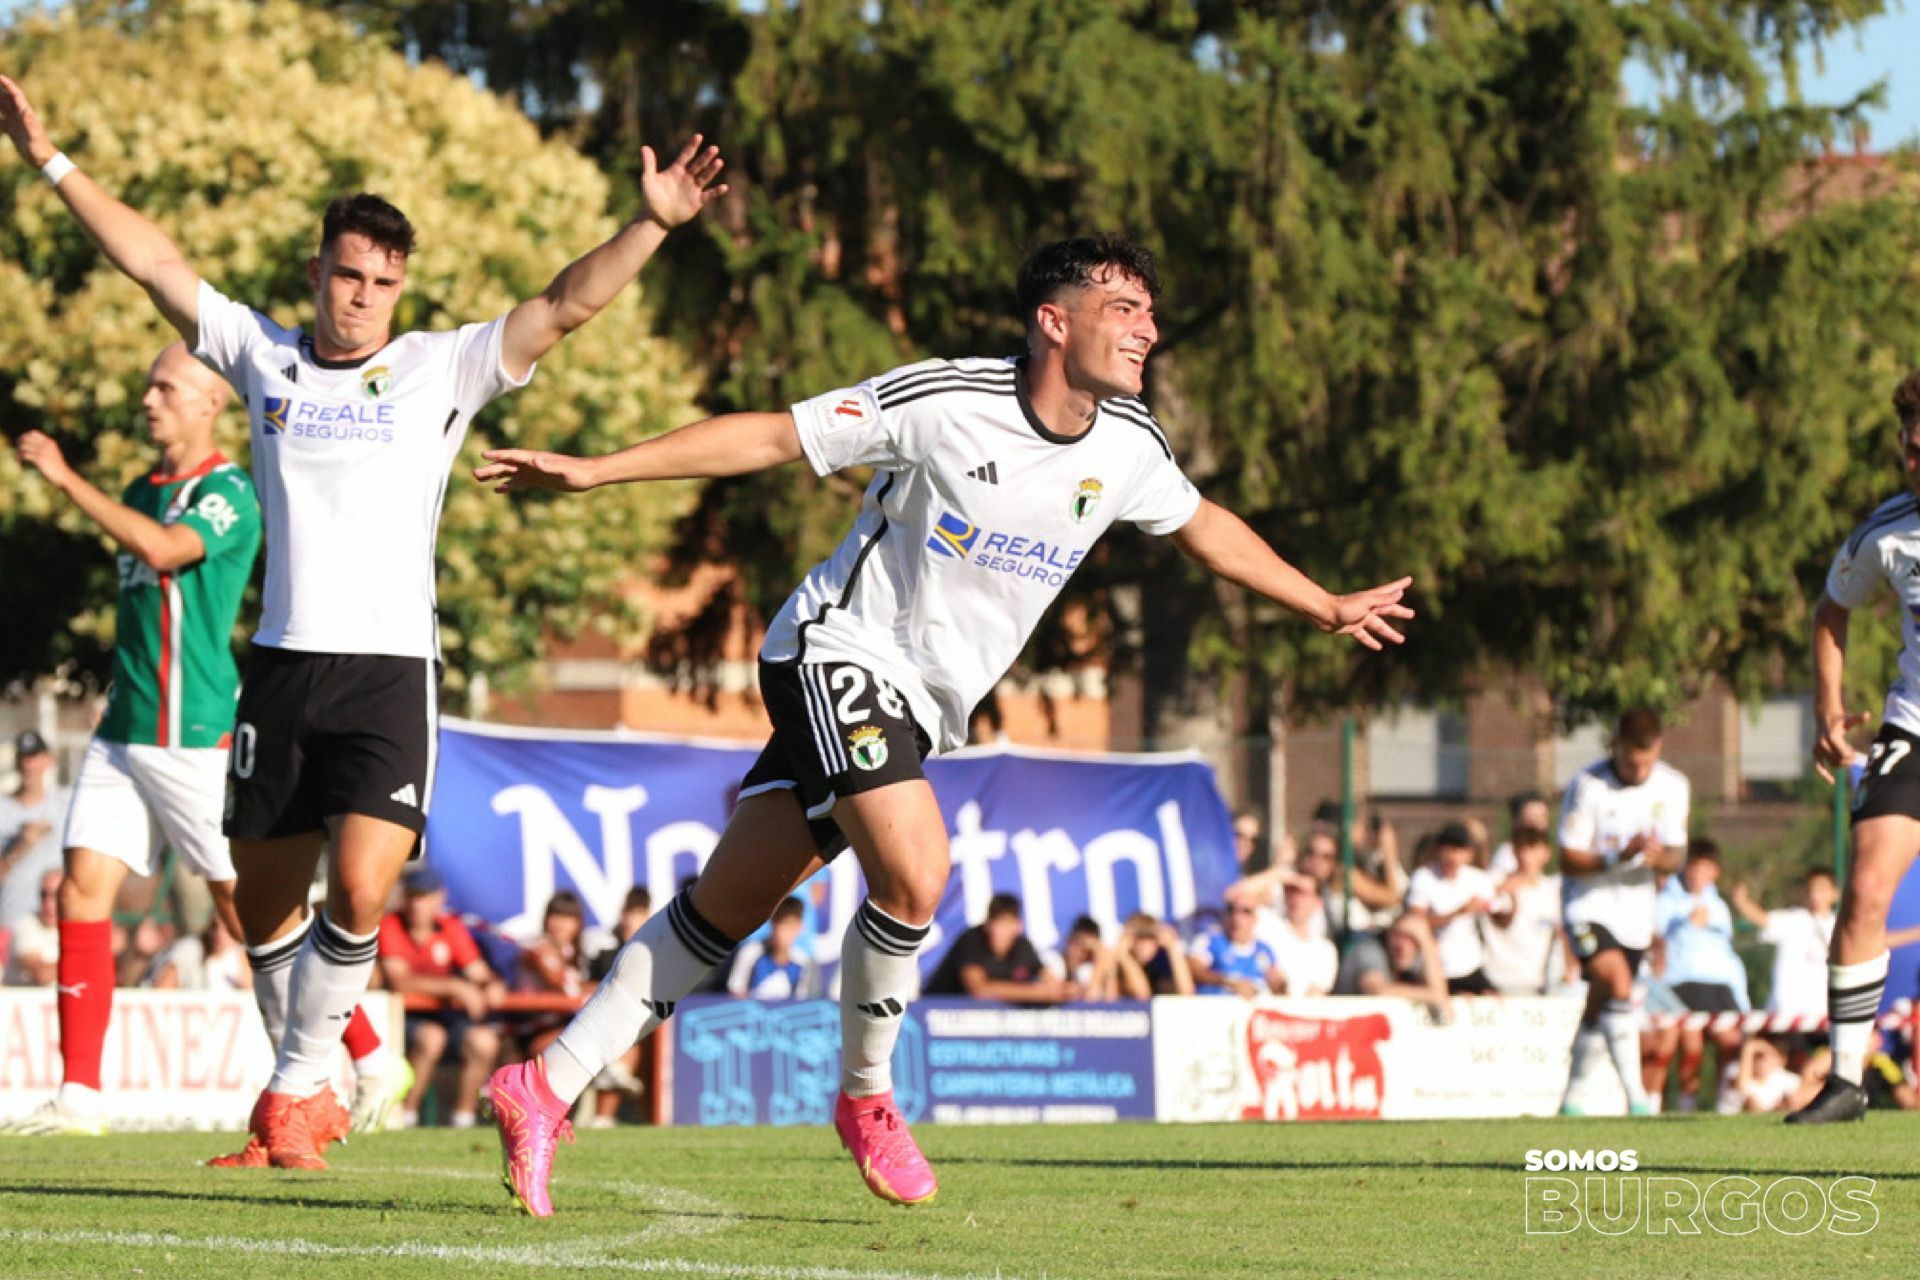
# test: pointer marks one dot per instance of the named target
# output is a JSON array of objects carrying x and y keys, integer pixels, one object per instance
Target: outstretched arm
[
  {"x": 732, "y": 444},
  {"x": 674, "y": 195},
  {"x": 1222, "y": 542},
  {"x": 131, "y": 242},
  {"x": 162, "y": 547}
]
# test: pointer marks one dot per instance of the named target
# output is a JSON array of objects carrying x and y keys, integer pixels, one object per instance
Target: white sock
[
  {"x": 1853, "y": 1002},
  {"x": 78, "y": 1098},
  {"x": 1587, "y": 1045},
  {"x": 460, "y": 1120},
  {"x": 377, "y": 1063},
  {"x": 664, "y": 959},
  {"x": 272, "y": 965},
  {"x": 878, "y": 974},
  {"x": 329, "y": 978},
  {"x": 1620, "y": 1024}
]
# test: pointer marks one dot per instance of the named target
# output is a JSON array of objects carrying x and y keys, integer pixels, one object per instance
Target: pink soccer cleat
[
  {"x": 873, "y": 1130},
  {"x": 531, "y": 1120}
]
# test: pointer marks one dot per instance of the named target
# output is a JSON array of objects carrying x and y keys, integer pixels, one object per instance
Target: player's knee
[
  {"x": 81, "y": 901},
  {"x": 912, "y": 896}
]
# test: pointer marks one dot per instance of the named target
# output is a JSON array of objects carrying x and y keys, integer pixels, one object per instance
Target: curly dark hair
[
  {"x": 1078, "y": 262},
  {"x": 1906, "y": 399},
  {"x": 369, "y": 215}
]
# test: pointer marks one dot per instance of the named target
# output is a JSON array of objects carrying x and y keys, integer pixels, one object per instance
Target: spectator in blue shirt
[
  {"x": 774, "y": 969},
  {"x": 1231, "y": 959},
  {"x": 1695, "y": 928}
]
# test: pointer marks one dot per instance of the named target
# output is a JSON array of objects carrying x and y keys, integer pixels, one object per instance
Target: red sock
[
  {"x": 360, "y": 1038},
  {"x": 86, "y": 997}
]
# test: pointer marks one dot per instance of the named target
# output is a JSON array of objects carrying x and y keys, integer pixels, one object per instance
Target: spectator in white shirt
[
  {"x": 1452, "y": 895},
  {"x": 1799, "y": 937},
  {"x": 1527, "y": 811},
  {"x": 1526, "y": 955},
  {"x": 1302, "y": 953},
  {"x": 31, "y": 819}
]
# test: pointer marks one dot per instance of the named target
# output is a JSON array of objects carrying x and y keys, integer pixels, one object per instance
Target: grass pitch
[{"x": 1414, "y": 1199}]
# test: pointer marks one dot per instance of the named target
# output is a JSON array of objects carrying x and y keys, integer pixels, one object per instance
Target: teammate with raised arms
[
  {"x": 1883, "y": 551},
  {"x": 353, "y": 430},
  {"x": 993, "y": 480}
]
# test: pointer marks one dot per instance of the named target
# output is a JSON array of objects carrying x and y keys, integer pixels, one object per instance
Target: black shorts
[
  {"x": 1470, "y": 984},
  {"x": 319, "y": 735},
  {"x": 1589, "y": 940},
  {"x": 1706, "y": 997},
  {"x": 1890, "y": 782},
  {"x": 838, "y": 730}
]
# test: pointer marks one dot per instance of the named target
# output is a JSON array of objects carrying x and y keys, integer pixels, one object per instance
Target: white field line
[{"x": 577, "y": 1256}]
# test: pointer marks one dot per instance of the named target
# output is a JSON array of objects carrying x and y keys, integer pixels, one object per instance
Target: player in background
[
  {"x": 353, "y": 430},
  {"x": 993, "y": 480},
  {"x": 155, "y": 773},
  {"x": 1884, "y": 550},
  {"x": 1623, "y": 819}
]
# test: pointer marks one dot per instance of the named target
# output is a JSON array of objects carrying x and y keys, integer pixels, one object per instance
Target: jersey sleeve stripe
[
  {"x": 945, "y": 378},
  {"x": 1891, "y": 512},
  {"x": 907, "y": 372},
  {"x": 985, "y": 389},
  {"x": 1123, "y": 412}
]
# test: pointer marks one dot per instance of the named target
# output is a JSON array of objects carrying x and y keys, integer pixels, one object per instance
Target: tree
[
  {"x": 1610, "y": 379},
  {"x": 232, "y": 124}
]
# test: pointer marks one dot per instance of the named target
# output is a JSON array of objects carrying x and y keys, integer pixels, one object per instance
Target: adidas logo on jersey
[
  {"x": 407, "y": 796},
  {"x": 990, "y": 473},
  {"x": 291, "y": 373}
]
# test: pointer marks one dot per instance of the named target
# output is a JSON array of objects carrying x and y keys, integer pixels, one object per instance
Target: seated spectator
[
  {"x": 773, "y": 969},
  {"x": 1250, "y": 852},
  {"x": 1231, "y": 959},
  {"x": 425, "y": 950},
  {"x": 1308, "y": 962},
  {"x": 33, "y": 954},
  {"x": 1451, "y": 895},
  {"x": 1527, "y": 811},
  {"x": 994, "y": 961},
  {"x": 634, "y": 911},
  {"x": 1524, "y": 949},
  {"x": 147, "y": 942},
  {"x": 1403, "y": 962},
  {"x": 1884, "y": 1080},
  {"x": 619, "y": 1079},
  {"x": 1090, "y": 962},
  {"x": 1760, "y": 1081},
  {"x": 1151, "y": 961},
  {"x": 213, "y": 960},
  {"x": 551, "y": 965},
  {"x": 1800, "y": 937},
  {"x": 1695, "y": 930}
]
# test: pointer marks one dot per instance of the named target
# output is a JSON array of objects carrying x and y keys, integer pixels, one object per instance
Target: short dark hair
[
  {"x": 1640, "y": 728},
  {"x": 1529, "y": 837},
  {"x": 1702, "y": 849},
  {"x": 1004, "y": 904},
  {"x": 639, "y": 898},
  {"x": 1078, "y": 262},
  {"x": 1906, "y": 399},
  {"x": 1453, "y": 836},
  {"x": 1085, "y": 924},
  {"x": 1521, "y": 800},
  {"x": 565, "y": 902},
  {"x": 369, "y": 215},
  {"x": 789, "y": 909},
  {"x": 1819, "y": 873}
]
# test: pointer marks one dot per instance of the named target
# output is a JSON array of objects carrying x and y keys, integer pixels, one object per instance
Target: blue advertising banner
[
  {"x": 958, "y": 1062},
  {"x": 517, "y": 814}
]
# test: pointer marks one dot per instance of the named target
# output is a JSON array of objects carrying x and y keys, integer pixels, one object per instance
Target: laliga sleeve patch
[{"x": 853, "y": 410}]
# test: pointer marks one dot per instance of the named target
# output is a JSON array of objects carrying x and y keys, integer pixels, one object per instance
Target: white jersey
[
  {"x": 350, "y": 462},
  {"x": 1600, "y": 815},
  {"x": 976, "y": 517},
  {"x": 1886, "y": 549},
  {"x": 1457, "y": 941}
]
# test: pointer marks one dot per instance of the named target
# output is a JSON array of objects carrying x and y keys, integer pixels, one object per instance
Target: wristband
[{"x": 58, "y": 167}]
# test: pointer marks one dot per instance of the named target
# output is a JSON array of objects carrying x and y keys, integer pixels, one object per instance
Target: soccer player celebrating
[
  {"x": 353, "y": 430},
  {"x": 1886, "y": 808},
  {"x": 1623, "y": 819},
  {"x": 993, "y": 480},
  {"x": 155, "y": 771}
]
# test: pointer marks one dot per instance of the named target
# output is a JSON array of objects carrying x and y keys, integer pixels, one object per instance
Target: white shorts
[{"x": 129, "y": 800}]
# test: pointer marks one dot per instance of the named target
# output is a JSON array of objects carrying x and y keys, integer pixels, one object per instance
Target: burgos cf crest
[
  {"x": 376, "y": 380},
  {"x": 1086, "y": 499},
  {"x": 869, "y": 747},
  {"x": 954, "y": 536}
]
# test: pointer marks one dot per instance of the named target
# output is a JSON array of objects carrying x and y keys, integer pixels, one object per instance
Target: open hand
[
  {"x": 1364, "y": 614},
  {"x": 510, "y": 469},
  {"x": 677, "y": 193},
  {"x": 18, "y": 120}
]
